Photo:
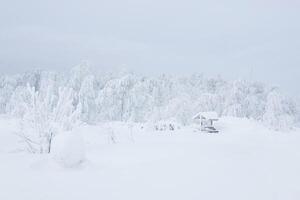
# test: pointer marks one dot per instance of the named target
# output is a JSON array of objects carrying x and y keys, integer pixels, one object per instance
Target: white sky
[{"x": 257, "y": 39}]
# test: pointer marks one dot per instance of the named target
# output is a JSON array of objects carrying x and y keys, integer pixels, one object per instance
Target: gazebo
[{"x": 206, "y": 121}]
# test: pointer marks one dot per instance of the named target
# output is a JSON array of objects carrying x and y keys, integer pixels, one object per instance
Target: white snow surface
[
  {"x": 68, "y": 149},
  {"x": 244, "y": 161}
]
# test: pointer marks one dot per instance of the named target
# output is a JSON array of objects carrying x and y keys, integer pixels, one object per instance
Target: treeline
[{"x": 125, "y": 96}]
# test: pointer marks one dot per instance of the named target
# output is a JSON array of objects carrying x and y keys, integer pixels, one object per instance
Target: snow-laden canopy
[{"x": 125, "y": 96}]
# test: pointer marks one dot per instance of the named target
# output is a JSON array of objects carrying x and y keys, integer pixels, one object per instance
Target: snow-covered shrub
[
  {"x": 43, "y": 116},
  {"x": 68, "y": 149},
  {"x": 166, "y": 126}
]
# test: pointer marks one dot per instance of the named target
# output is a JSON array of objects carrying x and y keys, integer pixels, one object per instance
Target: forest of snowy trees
[{"x": 57, "y": 101}]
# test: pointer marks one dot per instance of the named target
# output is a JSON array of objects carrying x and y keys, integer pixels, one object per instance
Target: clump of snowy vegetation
[
  {"x": 43, "y": 114},
  {"x": 49, "y": 103}
]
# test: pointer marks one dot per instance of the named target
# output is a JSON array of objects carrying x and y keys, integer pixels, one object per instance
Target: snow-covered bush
[
  {"x": 43, "y": 115},
  {"x": 166, "y": 126},
  {"x": 68, "y": 149}
]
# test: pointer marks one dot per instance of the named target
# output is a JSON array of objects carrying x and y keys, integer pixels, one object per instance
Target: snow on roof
[{"x": 207, "y": 115}]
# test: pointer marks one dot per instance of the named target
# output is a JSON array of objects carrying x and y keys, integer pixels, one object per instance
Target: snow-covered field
[{"x": 244, "y": 161}]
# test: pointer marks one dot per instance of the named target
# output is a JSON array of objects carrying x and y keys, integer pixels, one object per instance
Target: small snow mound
[{"x": 68, "y": 149}]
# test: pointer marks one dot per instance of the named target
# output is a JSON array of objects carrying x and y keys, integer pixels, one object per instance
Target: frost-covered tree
[
  {"x": 7, "y": 86},
  {"x": 255, "y": 101},
  {"x": 44, "y": 116},
  {"x": 78, "y": 75},
  {"x": 298, "y": 112},
  {"x": 179, "y": 109},
  {"x": 235, "y": 101},
  {"x": 280, "y": 112},
  {"x": 87, "y": 96},
  {"x": 141, "y": 101}
]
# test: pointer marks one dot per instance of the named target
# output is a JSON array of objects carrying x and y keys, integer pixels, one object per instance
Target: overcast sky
[{"x": 257, "y": 39}]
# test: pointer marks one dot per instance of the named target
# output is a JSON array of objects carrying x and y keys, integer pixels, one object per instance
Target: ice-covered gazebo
[{"x": 206, "y": 121}]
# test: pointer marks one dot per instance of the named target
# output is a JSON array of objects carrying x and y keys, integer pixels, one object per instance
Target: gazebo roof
[{"x": 206, "y": 115}]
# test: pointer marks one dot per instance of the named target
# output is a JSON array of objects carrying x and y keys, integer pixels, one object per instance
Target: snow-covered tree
[
  {"x": 87, "y": 96},
  {"x": 114, "y": 100},
  {"x": 235, "y": 101},
  {"x": 7, "y": 86},
  {"x": 78, "y": 75},
  {"x": 280, "y": 112},
  {"x": 141, "y": 101},
  {"x": 44, "y": 116}
]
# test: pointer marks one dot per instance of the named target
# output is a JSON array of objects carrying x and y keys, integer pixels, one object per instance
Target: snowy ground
[{"x": 245, "y": 161}]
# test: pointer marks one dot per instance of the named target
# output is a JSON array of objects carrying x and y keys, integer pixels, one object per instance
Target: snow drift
[{"x": 68, "y": 149}]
